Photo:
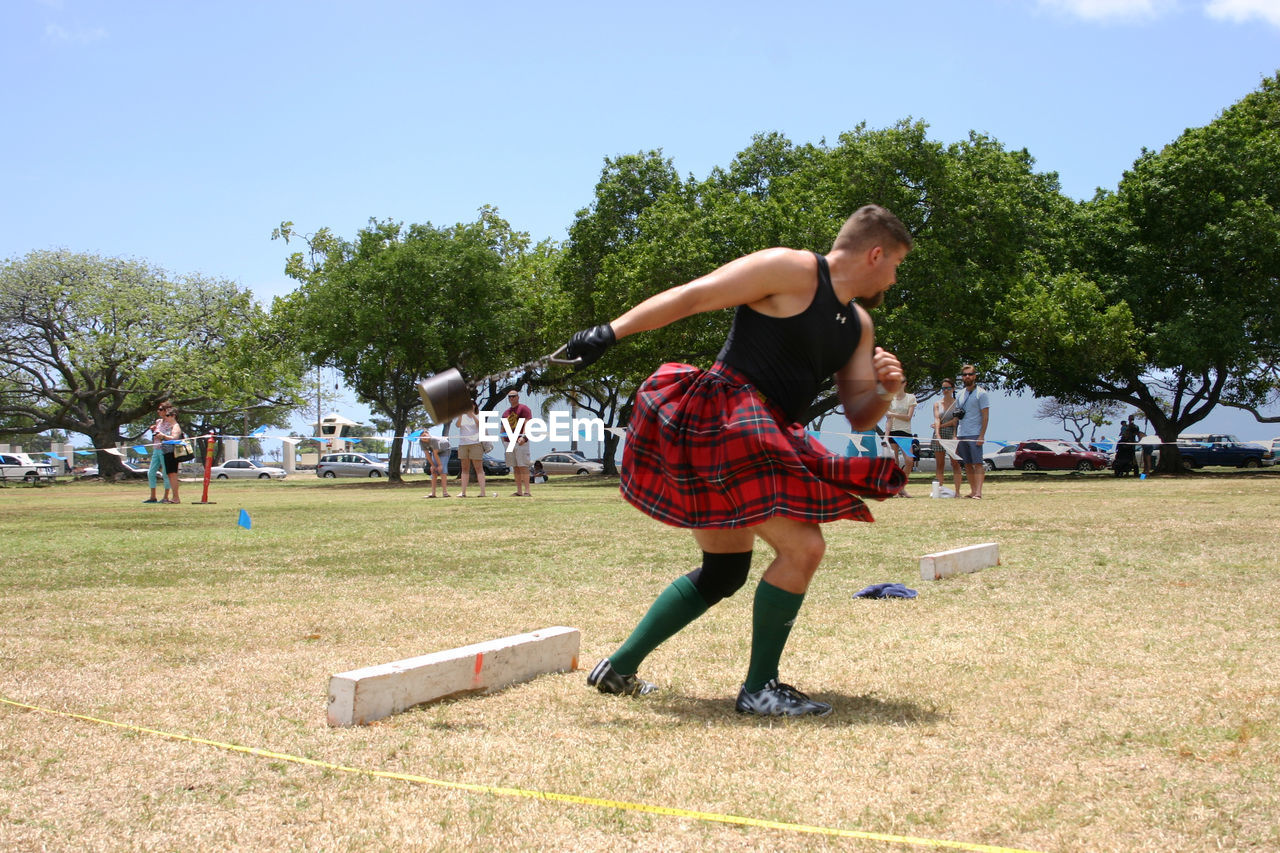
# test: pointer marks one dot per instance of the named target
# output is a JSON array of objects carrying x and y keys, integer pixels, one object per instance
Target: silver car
[
  {"x": 569, "y": 463},
  {"x": 999, "y": 458},
  {"x": 351, "y": 465},
  {"x": 245, "y": 468}
]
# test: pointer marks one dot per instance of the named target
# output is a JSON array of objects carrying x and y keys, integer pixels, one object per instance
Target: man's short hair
[{"x": 872, "y": 225}]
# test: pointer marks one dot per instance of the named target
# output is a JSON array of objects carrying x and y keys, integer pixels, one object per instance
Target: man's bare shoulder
[
  {"x": 781, "y": 260},
  {"x": 788, "y": 278}
]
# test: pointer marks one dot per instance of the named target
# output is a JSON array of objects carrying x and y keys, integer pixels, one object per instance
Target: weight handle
[{"x": 554, "y": 357}]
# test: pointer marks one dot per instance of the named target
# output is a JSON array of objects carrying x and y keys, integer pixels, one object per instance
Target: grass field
[{"x": 1113, "y": 685}]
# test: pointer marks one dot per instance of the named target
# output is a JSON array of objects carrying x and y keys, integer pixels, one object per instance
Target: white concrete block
[
  {"x": 958, "y": 561},
  {"x": 359, "y": 697}
]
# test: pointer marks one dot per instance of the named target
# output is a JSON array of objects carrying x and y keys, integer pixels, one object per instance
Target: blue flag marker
[
  {"x": 903, "y": 441},
  {"x": 413, "y": 436},
  {"x": 139, "y": 449},
  {"x": 244, "y": 520},
  {"x": 259, "y": 431}
]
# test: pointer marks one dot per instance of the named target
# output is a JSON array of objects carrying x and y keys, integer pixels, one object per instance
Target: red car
[{"x": 1057, "y": 455}]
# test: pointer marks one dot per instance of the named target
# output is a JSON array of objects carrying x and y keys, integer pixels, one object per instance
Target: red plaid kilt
[{"x": 705, "y": 449}]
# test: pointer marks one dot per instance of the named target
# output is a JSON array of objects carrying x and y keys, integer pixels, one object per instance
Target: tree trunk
[
  {"x": 1170, "y": 459},
  {"x": 610, "y": 452},
  {"x": 399, "y": 424},
  {"x": 110, "y": 466}
]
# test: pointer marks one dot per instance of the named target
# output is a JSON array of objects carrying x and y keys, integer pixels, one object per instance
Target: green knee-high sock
[
  {"x": 677, "y": 606},
  {"x": 772, "y": 615}
]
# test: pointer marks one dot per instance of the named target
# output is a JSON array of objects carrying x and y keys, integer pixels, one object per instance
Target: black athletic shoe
[
  {"x": 604, "y": 679},
  {"x": 779, "y": 700}
]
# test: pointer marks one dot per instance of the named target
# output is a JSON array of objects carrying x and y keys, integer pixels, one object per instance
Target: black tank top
[{"x": 791, "y": 359}]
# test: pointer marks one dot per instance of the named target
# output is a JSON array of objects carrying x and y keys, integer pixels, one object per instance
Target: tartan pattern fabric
[{"x": 705, "y": 450}]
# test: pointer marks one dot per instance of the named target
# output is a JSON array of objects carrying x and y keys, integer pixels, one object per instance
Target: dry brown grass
[{"x": 1114, "y": 685}]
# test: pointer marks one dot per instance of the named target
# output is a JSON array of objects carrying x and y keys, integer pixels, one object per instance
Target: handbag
[{"x": 183, "y": 450}]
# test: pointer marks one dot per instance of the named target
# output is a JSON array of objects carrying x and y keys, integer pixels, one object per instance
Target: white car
[
  {"x": 563, "y": 462},
  {"x": 20, "y": 466},
  {"x": 999, "y": 458},
  {"x": 245, "y": 468}
]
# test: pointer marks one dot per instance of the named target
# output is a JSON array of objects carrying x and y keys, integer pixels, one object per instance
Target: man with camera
[{"x": 970, "y": 415}]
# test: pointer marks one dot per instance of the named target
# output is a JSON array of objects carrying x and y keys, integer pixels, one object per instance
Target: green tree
[
  {"x": 981, "y": 215},
  {"x": 90, "y": 345},
  {"x": 1170, "y": 307},
  {"x": 396, "y": 304}
]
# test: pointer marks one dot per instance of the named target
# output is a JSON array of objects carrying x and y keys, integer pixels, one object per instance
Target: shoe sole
[{"x": 820, "y": 713}]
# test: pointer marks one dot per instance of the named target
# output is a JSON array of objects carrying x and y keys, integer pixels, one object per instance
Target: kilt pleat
[{"x": 705, "y": 450}]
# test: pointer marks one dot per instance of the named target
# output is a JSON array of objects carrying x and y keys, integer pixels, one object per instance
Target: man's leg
[
  {"x": 726, "y": 559},
  {"x": 798, "y": 548}
]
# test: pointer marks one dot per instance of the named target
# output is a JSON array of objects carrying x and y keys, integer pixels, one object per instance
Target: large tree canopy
[
  {"x": 90, "y": 344},
  {"x": 397, "y": 304},
  {"x": 1169, "y": 301},
  {"x": 979, "y": 213}
]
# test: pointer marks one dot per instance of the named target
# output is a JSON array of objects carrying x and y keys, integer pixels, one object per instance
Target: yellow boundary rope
[{"x": 574, "y": 799}]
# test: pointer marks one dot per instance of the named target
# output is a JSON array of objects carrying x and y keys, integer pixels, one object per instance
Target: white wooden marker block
[
  {"x": 934, "y": 567},
  {"x": 359, "y": 697}
]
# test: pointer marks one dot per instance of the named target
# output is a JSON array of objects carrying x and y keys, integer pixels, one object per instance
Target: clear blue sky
[{"x": 182, "y": 133}]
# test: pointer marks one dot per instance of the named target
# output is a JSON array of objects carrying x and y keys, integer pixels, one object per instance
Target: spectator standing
[
  {"x": 157, "y": 469},
  {"x": 1127, "y": 448},
  {"x": 1148, "y": 451},
  {"x": 517, "y": 417},
  {"x": 942, "y": 414},
  {"x": 897, "y": 423},
  {"x": 170, "y": 431},
  {"x": 470, "y": 450},
  {"x": 971, "y": 415}
]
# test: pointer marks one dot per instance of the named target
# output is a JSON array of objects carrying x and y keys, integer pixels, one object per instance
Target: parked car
[
  {"x": 1198, "y": 450},
  {"x": 132, "y": 471},
  {"x": 20, "y": 466},
  {"x": 351, "y": 465},
  {"x": 999, "y": 458},
  {"x": 564, "y": 462},
  {"x": 492, "y": 467},
  {"x": 1056, "y": 455},
  {"x": 245, "y": 469}
]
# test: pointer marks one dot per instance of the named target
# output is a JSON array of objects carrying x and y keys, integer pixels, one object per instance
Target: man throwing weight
[{"x": 719, "y": 451}]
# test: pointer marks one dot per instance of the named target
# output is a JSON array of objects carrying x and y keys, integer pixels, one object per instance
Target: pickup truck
[
  {"x": 20, "y": 466},
  {"x": 1198, "y": 451}
]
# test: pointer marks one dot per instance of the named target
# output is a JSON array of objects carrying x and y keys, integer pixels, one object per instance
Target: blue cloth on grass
[{"x": 886, "y": 590}]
